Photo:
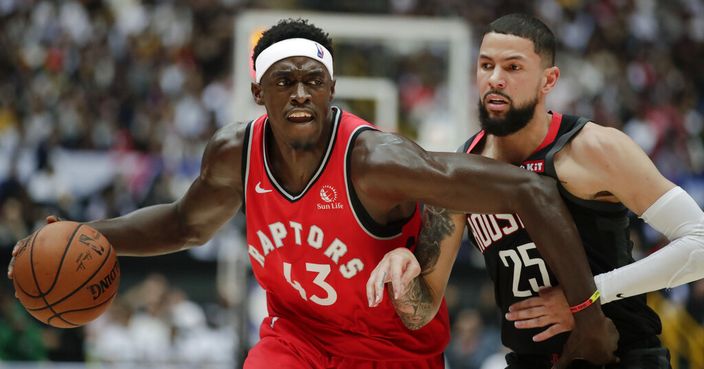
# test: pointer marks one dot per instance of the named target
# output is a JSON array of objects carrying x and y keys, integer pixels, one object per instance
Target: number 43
[
  {"x": 521, "y": 259},
  {"x": 322, "y": 271}
]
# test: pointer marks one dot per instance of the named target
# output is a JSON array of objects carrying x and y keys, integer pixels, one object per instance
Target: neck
[
  {"x": 294, "y": 166},
  {"x": 518, "y": 146}
]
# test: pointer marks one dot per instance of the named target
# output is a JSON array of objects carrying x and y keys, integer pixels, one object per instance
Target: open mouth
[
  {"x": 299, "y": 116},
  {"x": 495, "y": 101}
]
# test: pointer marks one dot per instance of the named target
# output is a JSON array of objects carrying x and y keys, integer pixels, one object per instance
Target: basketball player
[
  {"x": 326, "y": 195},
  {"x": 601, "y": 174}
]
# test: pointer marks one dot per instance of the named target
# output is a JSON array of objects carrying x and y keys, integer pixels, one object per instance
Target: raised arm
[
  {"x": 191, "y": 220},
  {"x": 393, "y": 171}
]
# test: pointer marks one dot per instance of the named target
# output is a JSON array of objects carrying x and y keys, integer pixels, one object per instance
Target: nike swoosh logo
[{"x": 259, "y": 188}]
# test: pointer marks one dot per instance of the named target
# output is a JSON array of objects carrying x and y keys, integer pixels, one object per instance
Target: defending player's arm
[
  {"x": 417, "y": 299},
  {"x": 397, "y": 171},
  {"x": 635, "y": 181},
  {"x": 191, "y": 220},
  {"x": 665, "y": 207}
]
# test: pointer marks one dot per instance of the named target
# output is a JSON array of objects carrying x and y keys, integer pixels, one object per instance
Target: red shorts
[{"x": 280, "y": 349}]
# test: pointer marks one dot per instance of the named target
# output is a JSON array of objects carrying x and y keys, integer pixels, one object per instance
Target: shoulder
[
  {"x": 379, "y": 147},
  {"x": 377, "y": 152},
  {"x": 228, "y": 140},
  {"x": 222, "y": 160},
  {"x": 599, "y": 143}
]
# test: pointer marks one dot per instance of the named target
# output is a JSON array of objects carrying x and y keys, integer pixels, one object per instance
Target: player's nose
[{"x": 497, "y": 80}]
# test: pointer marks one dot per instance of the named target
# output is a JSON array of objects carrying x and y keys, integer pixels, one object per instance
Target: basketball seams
[
  {"x": 15, "y": 281},
  {"x": 59, "y": 315},
  {"x": 105, "y": 259},
  {"x": 63, "y": 257},
  {"x": 34, "y": 274},
  {"x": 74, "y": 308}
]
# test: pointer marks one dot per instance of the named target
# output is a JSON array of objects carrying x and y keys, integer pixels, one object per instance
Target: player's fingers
[
  {"x": 552, "y": 331},
  {"x": 538, "y": 322},
  {"x": 9, "y": 268},
  {"x": 563, "y": 362},
  {"x": 526, "y": 304},
  {"x": 526, "y": 313},
  {"x": 412, "y": 271},
  {"x": 373, "y": 282},
  {"x": 379, "y": 287},
  {"x": 396, "y": 270},
  {"x": 19, "y": 245},
  {"x": 52, "y": 218},
  {"x": 371, "y": 294},
  {"x": 567, "y": 357}
]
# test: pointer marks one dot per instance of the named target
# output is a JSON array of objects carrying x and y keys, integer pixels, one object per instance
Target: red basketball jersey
[{"x": 313, "y": 252}]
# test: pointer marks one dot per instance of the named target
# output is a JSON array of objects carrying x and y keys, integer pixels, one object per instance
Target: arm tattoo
[
  {"x": 415, "y": 307},
  {"x": 437, "y": 226}
]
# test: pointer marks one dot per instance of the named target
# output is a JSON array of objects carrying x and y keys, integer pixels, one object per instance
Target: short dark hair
[
  {"x": 291, "y": 28},
  {"x": 528, "y": 27}
]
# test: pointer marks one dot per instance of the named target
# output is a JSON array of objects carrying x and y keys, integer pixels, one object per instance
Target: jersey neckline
[
  {"x": 321, "y": 166},
  {"x": 549, "y": 138}
]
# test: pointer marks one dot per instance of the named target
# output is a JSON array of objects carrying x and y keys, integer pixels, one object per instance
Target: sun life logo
[{"x": 328, "y": 193}]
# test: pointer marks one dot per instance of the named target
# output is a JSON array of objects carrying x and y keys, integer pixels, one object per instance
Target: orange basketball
[{"x": 66, "y": 275}]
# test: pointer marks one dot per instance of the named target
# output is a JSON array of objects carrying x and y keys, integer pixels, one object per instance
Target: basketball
[{"x": 66, "y": 274}]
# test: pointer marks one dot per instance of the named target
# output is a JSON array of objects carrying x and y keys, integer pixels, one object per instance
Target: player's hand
[
  {"x": 549, "y": 309},
  {"x": 594, "y": 339},
  {"x": 399, "y": 266},
  {"x": 23, "y": 243}
]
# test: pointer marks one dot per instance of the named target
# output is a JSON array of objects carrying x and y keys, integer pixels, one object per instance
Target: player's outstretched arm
[
  {"x": 212, "y": 199},
  {"x": 659, "y": 202},
  {"x": 418, "y": 282},
  {"x": 394, "y": 170}
]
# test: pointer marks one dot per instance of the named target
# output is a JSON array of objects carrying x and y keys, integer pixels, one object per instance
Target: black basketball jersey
[{"x": 518, "y": 270}]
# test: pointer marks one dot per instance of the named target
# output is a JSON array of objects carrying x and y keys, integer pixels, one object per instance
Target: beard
[{"x": 515, "y": 119}]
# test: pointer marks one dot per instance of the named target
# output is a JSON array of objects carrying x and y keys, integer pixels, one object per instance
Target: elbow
[
  {"x": 417, "y": 322},
  {"x": 417, "y": 314},
  {"x": 188, "y": 233},
  {"x": 537, "y": 191}
]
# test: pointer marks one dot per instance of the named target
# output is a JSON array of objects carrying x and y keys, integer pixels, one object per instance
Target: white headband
[{"x": 292, "y": 47}]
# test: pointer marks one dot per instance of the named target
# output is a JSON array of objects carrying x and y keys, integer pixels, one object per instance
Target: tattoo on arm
[
  {"x": 415, "y": 307},
  {"x": 437, "y": 225}
]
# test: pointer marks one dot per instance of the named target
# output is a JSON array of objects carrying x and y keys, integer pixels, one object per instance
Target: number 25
[{"x": 521, "y": 259}]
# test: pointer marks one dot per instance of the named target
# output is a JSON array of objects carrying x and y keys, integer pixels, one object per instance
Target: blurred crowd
[
  {"x": 106, "y": 106},
  {"x": 153, "y": 323}
]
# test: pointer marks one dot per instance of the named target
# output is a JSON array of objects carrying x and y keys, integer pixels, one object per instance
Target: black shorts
[{"x": 649, "y": 358}]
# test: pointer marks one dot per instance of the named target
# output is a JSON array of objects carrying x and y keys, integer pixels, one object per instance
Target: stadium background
[{"x": 105, "y": 106}]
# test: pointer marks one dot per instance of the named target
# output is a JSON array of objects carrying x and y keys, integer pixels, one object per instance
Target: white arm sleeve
[{"x": 677, "y": 216}]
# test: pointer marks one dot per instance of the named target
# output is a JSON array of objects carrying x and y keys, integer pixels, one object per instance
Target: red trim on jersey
[
  {"x": 477, "y": 138},
  {"x": 555, "y": 123}
]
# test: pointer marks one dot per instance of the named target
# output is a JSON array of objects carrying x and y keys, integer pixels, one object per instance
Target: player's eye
[
  {"x": 486, "y": 66},
  {"x": 514, "y": 67},
  {"x": 282, "y": 82}
]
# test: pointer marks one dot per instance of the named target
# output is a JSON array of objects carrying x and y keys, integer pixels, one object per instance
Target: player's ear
[
  {"x": 332, "y": 89},
  {"x": 257, "y": 93},
  {"x": 550, "y": 77}
]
